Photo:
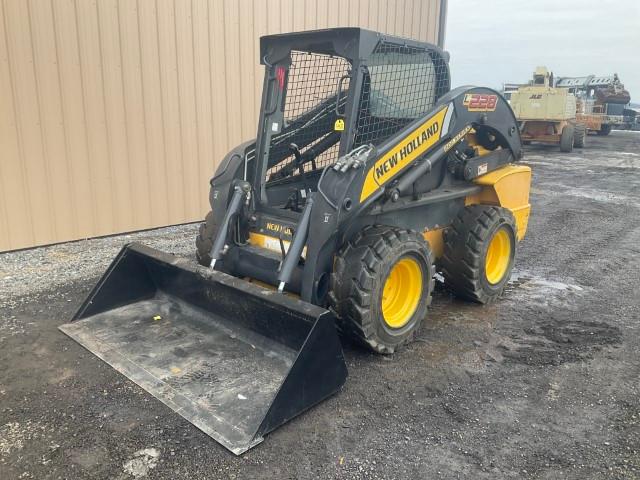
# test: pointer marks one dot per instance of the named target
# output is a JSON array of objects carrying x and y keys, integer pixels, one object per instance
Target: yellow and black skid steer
[{"x": 367, "y": 176}]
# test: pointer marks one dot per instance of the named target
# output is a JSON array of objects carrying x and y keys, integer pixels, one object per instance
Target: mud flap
[{"x": 234, "y": 359}]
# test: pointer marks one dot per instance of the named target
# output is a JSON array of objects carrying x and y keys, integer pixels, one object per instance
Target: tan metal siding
[{"x": 114, "y": 113}]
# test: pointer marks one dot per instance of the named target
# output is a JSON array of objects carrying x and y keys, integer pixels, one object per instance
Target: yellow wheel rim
[
  {"x": 402, "y": 292},
  {"x": 498, "y": 256}
]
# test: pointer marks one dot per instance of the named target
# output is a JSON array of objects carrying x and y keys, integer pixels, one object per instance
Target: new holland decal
[
  {"x": 480, "y": 102},
  {"x": 457, "y": 138},
  {"x": 276, "y": 227},
  {"x": 403, "y": 154}
]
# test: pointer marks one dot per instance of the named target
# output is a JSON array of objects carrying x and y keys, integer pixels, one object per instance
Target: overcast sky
[{"x": 498, "y": 41}]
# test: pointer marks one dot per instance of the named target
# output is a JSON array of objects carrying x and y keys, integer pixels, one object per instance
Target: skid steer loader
[{"x": 368, "y": 175}]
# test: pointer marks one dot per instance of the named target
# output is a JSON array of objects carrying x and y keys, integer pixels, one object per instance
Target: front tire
[
  {"x": 204, "y": 240},
  {"x": 381, "y": 287},
  {"x": 479, "y": 252}
]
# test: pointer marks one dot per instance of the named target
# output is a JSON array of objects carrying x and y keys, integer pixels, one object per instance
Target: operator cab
[{"x": 309, "y": 119}]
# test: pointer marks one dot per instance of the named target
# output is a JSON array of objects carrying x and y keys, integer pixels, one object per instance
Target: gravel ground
[
  {"x": 25, "y": 272},
  {"x": 544, "y": 384}
]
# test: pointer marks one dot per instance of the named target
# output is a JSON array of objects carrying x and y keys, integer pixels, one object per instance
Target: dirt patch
[
  {"x": 142, "y": 462},
  {"x": 557, "y": 341}
]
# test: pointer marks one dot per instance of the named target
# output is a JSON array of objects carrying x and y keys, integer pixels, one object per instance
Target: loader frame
[{"x": 339, "y": 207}]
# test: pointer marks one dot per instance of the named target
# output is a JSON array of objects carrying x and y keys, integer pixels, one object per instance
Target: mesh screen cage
[
  {"x": 310, "y": 110},
  {"x": 401, "y": 83},
  {"x": 376, "y": 84}
]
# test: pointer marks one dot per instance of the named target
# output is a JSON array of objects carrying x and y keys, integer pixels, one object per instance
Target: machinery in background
[
  {"x": 546, "y": 114},
  {"x": 600, "y": 101},
  {"x": 509, "y": 88},
  {"x": 631, "y": 118}
]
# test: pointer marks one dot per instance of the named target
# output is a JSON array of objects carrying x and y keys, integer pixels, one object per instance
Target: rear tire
[
  {"x": 579, "y": 135},
  {"x": 473, "y": 266},
  {"x": 604, "y": 130},
  {"x": 381, "y": 287},
  {"x": 566, "y": 139},
  {"x": 204, "y": 240}
]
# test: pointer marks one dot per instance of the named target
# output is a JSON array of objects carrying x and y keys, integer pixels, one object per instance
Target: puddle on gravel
[
  {"x": 557, "y": 189},
  {"x": 554, "y": 334},
  {"x": 526, "y": 280},
  {"x": 463, "y": 335},
  {"x": 604, "y": 160},
  {"x": 525, "y": 286},
  {"x": 522, "y": 283},
  {"x": 551, "y": 341}
]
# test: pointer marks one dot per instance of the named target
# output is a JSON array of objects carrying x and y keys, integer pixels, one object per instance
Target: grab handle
[{"x": 338, "y": 94}]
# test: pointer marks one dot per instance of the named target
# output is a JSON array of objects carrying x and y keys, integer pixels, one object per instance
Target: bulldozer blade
[{"x": 234, "y": 359}]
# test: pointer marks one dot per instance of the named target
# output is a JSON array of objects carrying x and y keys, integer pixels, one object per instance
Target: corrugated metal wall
[{"x": 114, "y": 113}]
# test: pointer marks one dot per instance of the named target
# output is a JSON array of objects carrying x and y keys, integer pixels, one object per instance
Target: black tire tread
[
  {"x": 204, "y": 240},
  {"x": 579, "y": 135},
  {"x": 461, "y": 263},
  {"x": 567, "y": 138},
  {"x": 351, "y": 295}
]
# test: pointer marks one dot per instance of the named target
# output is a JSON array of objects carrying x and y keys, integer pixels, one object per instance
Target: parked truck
[{"x": 600, "y": 101}]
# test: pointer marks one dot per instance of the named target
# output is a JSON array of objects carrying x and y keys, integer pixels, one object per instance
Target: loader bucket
[{"x": 234, "y": 359}]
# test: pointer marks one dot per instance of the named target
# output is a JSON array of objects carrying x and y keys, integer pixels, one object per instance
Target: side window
[
  {"x": 401, "y": 91},
  {"x": 401, "y": 84}
]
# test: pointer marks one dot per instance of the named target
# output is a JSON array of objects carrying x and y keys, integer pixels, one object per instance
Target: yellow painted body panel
[
  {"x": 473, "y": 143},
  {"x": 436, "y": 242},
  {"x": 543, "y": 103},
  {"x": 507, "y": 187},
  {"x": 271, "y": 243},
  {"x": 268, "y": 286}
]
